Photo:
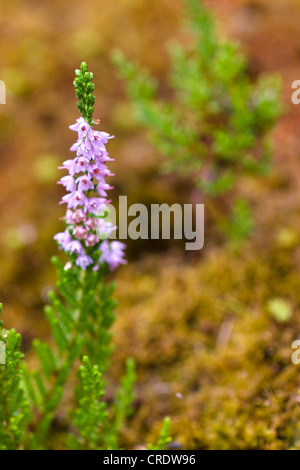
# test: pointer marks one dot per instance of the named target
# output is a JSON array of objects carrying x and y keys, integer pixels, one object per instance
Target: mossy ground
[{"x": 209, "y": 352}]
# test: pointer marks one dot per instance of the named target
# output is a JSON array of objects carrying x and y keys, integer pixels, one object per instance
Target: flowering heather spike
[{"x": 85, "y": 238}]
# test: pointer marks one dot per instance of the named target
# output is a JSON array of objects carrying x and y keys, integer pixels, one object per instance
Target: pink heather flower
[
  {"x": 102, "y": 187},
  {"x": 81, "y": 164},
  {"x": 69, "y": 217},
  {"x": 74, "y": 199},
  {"x": 112, "y": 254},
  {"x": 107, "y": 173},
  {"x": 63, "y": 239},
  {"x": 75, "y": 247},
  {"x": 95, "y": 205},
  {"x": 105, "y": 228},
  {"x": 68, "y": 266},
  {"x": 101, "y": 157},
  {"x": 95, "y": 143},
  {"x": 79, "y": 232},
  {"x": 84, "y": 183},
  {"x": 83, "y": 261},
  {"x": 69, "y": 182},
  {"x": 103, "y": 136},
  {"x": 91, "y": 240},
  {"x": 79, "y": 216},
  {"x": 83, "y": 128},
  {"x": 69, "y": 165},
  {"x": 96, "y": 171},
  {"x": 90, "y": 161},
  {"x": 79, "y": 122},
  {"x": 85, "y": 150},
  {"x": 75, "y": 146},
  {"x": 101, "y": 167},
  {"x": 91, "y": 224}
]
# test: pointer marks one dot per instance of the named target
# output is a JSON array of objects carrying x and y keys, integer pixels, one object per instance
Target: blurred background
[{"x": 211, "y": 332}]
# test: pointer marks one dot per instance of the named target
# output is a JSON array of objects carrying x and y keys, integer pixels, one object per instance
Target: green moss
[{"x": 209, "y": 353}]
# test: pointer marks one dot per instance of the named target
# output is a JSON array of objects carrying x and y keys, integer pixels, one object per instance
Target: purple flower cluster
[{"x": 87, "y": 230}]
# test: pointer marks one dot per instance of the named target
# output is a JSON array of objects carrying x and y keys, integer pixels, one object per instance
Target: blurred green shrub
[
  {"x": 215, "y": 129},
  {"x": 241, "y": 223}
]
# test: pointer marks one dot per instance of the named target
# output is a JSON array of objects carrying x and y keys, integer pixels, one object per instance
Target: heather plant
[
  {"x": 215, "y": 128},
  {"x": 14, "y": 407},
  {"x": 80, "y": 315}
]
